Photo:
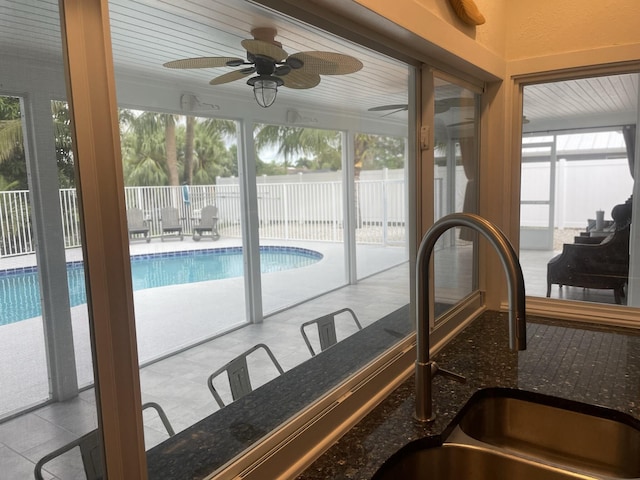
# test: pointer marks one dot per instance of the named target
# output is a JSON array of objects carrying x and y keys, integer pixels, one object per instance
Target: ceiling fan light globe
[{"x": 265, "y": 89}]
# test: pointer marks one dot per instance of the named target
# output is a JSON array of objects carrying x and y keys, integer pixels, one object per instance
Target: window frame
[
  {"x": 89, "y": 70},
  {"x": 613, "y": 315}
]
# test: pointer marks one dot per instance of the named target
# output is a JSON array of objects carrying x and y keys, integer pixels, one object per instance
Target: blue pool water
[{"x": 20, "y": 292}]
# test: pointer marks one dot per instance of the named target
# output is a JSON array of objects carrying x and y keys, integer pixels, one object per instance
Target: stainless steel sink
[
  {"x": 508, "y": 434},
  {"x": 457, "y": 462},
  {"x": 572, "y": 434}
]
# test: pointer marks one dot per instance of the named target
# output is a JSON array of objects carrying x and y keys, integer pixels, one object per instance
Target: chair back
[
  {"x": 170, "y": 217},
  {"x": 208, "y": 216},
  {"x": 90, "y": 445},
  {"x": 238, "y": 374},
  {"x": 161, "y": 414},
  {"x": 135, "y": 218},
  {"x": 90, "y": 451},
  {"x": 326, "y": 326}
]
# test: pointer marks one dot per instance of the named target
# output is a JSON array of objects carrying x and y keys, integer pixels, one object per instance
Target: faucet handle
[{"x": 436, "y": 370}]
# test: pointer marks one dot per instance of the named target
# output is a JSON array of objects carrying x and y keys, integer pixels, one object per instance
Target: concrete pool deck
[{"x": 171, "y": 318}]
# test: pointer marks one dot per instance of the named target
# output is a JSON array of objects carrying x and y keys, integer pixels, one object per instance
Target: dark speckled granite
[
  {"x": 577, "y": 362},
  {"x": 206, "y": 446}
]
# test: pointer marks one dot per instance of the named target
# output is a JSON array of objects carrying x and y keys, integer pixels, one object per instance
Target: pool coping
[{"x": 176, "y": 253}]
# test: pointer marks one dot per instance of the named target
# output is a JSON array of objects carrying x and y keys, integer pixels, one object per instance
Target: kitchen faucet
[{"x": 426, "y": 369}]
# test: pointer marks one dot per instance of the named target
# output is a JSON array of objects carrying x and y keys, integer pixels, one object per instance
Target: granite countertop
[
  {"x": 207, "y": 445},
  {"x": 579, "y": 362},
  {"x": 575, "y": 361}
]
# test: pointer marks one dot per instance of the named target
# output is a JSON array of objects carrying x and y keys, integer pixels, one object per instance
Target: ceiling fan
[
  {"x": 273, "y": 66},
  {"x": 441, "y": 105}
]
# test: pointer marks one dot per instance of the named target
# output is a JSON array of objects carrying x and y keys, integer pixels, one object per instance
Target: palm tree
[
  {"x": 149, "y": 148},
  {"x": 143, "y": 149},
  {"x": 211, "y": 156},
  {"x": 12, "y": 155},
  {"x": 323, "y": 148},
  {"x": 63, "y": 143},
  {"x": 188, "y": 149},
  {"x": 169, "y": 123},
  {"x": 297, "y": 140},
  {"x": 10, "y": 128}
]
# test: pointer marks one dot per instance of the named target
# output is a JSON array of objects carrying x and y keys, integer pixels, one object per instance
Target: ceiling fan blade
[
  {"x": 327, "y": 63},
  {"x": 232, "y": 76},
  {"x": 394, "y": 111},
  {"x": 444, "y": 104},
  {"x": 282, "y": 70},
  {"x": 258, "y": 47},
  {"x": 382, "y": 108},
  {"x": 300, "y": 80},
  {"x": 459, "y": 124},
  {"x": 202, "y": 62}
]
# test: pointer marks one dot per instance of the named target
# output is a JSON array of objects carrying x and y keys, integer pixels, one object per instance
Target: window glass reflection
[{"x": 455, "y": 190}]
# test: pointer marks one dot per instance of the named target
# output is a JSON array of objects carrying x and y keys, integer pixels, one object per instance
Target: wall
[
  {"x": 490, "y": 35},
  {"x": 548, "y": 27},
  {"x": 518, "y": 29},
  {"x": 434, "y": 20}
]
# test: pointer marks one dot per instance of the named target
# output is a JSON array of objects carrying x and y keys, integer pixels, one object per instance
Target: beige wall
[
  {"x": 522, "y": 29},
  {"x": 435, "y": 21},
  {"x": 491, "y": 35},
  {"x": 548, "y": 27}
]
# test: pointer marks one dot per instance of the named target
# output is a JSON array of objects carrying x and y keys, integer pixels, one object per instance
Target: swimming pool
[{"x": 20, "y": 291}]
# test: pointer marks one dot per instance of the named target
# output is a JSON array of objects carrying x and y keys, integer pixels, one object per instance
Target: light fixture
[{"x": 265, "y": 89}]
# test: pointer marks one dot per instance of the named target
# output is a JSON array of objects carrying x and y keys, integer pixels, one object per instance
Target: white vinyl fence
[
  {"x": 306, "y": 210},
  {"x": 583, "y": 186},
  {"x": 286, "y": 211}
]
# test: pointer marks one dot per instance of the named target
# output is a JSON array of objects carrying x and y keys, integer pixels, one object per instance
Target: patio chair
[
  {"x": 136, "y": 224},
  {"x": 171, "y": 223},
  {"x": 90, "y": 449},
  {"x": 238, "y": 374},
  {"x": 327, "y": 328},
  {"x": 208, "y": 223},
  {"x": 604, "y": 265}
]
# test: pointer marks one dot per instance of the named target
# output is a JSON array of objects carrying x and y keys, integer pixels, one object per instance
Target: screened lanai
[{"x": 231, "y": 136}]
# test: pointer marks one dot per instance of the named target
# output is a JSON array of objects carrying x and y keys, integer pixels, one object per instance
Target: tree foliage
[
  {"x": 63, "y": 143},
  {"x": 318, "y": 149},
  {"x": 13, "y": 166},
  {"x": 161, "y": 149},
  {"x": 166, "y": 149}
]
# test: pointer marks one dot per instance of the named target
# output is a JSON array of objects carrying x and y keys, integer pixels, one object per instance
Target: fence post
[
  {"x": 385, "y": 220},
  {"x": 285, "y": 199}
]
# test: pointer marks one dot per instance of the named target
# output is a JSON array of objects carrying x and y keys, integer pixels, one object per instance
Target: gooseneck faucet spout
[{"x": 427, "y": 369}]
